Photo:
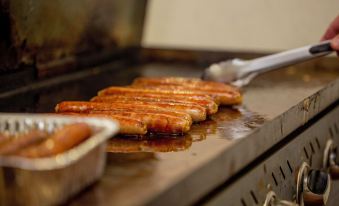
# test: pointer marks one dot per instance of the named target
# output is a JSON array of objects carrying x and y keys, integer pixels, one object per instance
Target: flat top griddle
[{"x": 275, "y": 104}]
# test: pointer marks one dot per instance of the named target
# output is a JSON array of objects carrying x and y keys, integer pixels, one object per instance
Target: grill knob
[
  {"x": 330, "y": 160},
  {"x": 273, "y": 200},
  {"x": 313, "y": 186}
]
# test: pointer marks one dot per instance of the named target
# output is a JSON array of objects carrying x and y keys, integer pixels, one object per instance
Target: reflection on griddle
[
  {"x": 229, "y": 123},
  {"x": 201, "y": 130},
  {"x": 158, "y": 144},
  {"x": 235, "y": 123}
]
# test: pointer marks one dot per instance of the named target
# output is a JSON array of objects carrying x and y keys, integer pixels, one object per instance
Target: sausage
[
  {"x": 187, "y": 82},
  {"x": 167, "y": 80},
  {"x": 195, "y": 98},
  {"x": 60, "y": 141},
  {"x": 62, "y": 107},
  {"x": 197, "y": 113},
  {"x": 138, "y": 91},
  {"x": 210, "y": 106},
  {"x": 230, "y": 97},
  {"x": 4, "y": 138},
  {"x": 181, "y": 115},
  {"x": 223, "y": 88},
  {"x": 128, "y": 125},
  {"x": 22, "y": 141},
  {"x": 159, "y": 123}
]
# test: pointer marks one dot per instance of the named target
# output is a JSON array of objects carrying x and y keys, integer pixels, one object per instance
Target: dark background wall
[{"x": 54, "y": 36}]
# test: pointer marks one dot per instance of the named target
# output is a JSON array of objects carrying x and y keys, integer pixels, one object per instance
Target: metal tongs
[{"x": 240, "y": 72}]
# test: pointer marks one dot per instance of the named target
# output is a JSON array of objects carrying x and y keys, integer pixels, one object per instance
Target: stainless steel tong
[{"x": 240, "y": 72}]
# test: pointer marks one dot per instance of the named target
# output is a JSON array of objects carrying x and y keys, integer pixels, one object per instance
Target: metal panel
[{"x": 278, "y": 172}]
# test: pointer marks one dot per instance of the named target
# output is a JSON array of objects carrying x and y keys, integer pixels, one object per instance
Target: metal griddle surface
[{"x": 180, "y": 170}]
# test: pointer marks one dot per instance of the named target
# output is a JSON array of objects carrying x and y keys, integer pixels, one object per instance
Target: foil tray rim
[{"x": 103, "y": 129}]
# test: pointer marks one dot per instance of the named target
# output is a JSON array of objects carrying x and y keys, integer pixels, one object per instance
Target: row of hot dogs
[{"x": 156, "y": 105}]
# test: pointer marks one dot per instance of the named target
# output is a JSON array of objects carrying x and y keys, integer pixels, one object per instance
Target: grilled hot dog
[
  {"x": 140, "y": 91},
  {"x": 63, "y": 139},
  {"x": 159, "y": 123},
  {"x": 128, "y": 125},
  {"x": 186, "y": 82},
  {"x": 22, "y": 141},
  {"x": 228, "y": 97},
  {"x": 4, "y": 138},
  {"x": 210, "y": 106},
  {"x": 197, "y": 113}
]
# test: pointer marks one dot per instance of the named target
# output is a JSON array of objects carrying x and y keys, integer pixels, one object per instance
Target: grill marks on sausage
[
  {"x": 156, "y": 122},
  {"x": 140, "y": 91},
  {"x": 227, "y": 94},
  {"x": 187, "y": 82},
  {"x": 196, "y": 112},
  {"x": 210, "y": 106},
  {"x": 225, "y": 98}
]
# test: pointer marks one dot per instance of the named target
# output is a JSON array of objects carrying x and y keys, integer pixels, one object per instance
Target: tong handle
[{"x": 289, "y": 57}]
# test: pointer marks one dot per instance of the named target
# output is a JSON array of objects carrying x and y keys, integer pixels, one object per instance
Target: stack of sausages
[{"x": 156, "y": 105}]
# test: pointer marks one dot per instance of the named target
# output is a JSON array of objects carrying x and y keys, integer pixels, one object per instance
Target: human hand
[{"x": 333, "y": 33}]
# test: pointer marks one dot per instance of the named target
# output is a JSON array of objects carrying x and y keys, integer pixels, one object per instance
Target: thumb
[{"x": 335, "y": 43}]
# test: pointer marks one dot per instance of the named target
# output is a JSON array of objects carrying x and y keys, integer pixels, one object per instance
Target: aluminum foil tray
[{"x": 52, "y": 180}]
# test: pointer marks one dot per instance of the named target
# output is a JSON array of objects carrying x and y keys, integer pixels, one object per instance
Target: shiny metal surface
[
  {"x": 330, "y": 158},
  {"x": 278, "y": 172},
  {"x": 43, "y": 181},
  {"x": 229, "y": 123},
  {"x": 272, "y": 200}
]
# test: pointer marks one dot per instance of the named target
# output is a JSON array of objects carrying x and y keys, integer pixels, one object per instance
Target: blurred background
[
  {"x": 67, "y": 35},
  {"x": 260, "y": 25}
]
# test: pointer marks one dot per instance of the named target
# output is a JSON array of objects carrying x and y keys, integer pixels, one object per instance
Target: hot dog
[
  {"x": 159, "y": 123},
  {"x": 187, "y": 82},
  {"x": 210, "y": 106},
  {"x": 61, "y": 140},
  {"x": 168, "y": 80},
  {"x": 228, "y": 97},
  {"x": 195, "y": 98},
  {"x": 138, "y": 91},
  {"x": 181, "y": 115},
  {"x": 197, "y": 113},
  {"x": 128, "y": 125},
  {"x": 4, "y": 138},
  {"x": 22, "y": 141},
  {"x": 64, "y": 107}
]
